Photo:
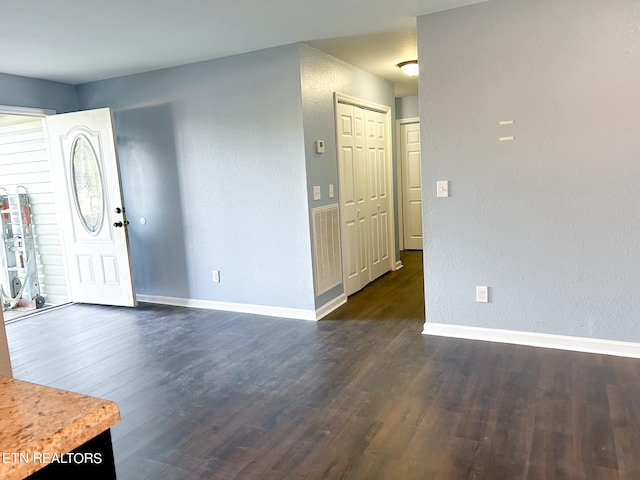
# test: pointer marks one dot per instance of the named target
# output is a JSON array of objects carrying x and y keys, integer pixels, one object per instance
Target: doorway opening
[
  {"x": 65, "y": 232},
  {"x": 363, "y": 134},
  {"x": 32, "y": 270}
]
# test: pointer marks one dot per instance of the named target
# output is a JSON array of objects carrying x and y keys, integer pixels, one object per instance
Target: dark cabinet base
[{"x": 93, "y": 460}]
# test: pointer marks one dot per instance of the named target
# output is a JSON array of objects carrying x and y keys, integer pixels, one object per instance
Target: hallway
[{"x": 396, "y": 295}]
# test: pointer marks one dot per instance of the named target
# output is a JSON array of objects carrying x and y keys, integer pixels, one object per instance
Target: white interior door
[
  {"x": 411, "y": 185},
  {"x": 353, "y": 179},
  {"x": 365, "y": 199},
  {"x": 92, "y": 220}
]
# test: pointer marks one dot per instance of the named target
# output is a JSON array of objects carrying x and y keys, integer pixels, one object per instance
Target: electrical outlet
[
  {"x": 482, "y": 294},
  {"x": 215, "y": 276}
]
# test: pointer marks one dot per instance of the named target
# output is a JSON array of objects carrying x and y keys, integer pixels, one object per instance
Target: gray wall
[
  {"x": 322, "y": 75},
  {"x": 33, "y": 93},
  {"x": 212, "y": 155},
  {"x": 551, "y": 220},
  {"x": 407, "y": 107}
]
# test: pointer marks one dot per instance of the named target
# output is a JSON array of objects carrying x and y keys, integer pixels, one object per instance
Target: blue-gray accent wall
[
  {"x": 212, "y": 155},
  {"x": 18, "y": 91},
  {"x": 407, "y": 107},
  {"x": 551, "y": 220}
]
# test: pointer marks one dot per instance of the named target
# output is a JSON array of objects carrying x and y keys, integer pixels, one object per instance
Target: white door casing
[
  {"x": 411, "y": 185},
  {"x": 92, "y": 220},
  {"x": 364, "y": 168}
]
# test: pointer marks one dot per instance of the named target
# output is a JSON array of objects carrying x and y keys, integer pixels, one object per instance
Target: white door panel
[
  {"x": 352, "y": 170},
  {"x": 92, "y": 220},
  {"x": 350, "y": 191},
  {"x": 379, "y": 204},
  {"x": 411, "y": 185},
  {"x": 363, "y": 261},
  {"x": 385, "y": 255}
]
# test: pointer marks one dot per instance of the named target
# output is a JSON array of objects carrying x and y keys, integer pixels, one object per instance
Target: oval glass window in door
[{"x": 87, "y": 184}]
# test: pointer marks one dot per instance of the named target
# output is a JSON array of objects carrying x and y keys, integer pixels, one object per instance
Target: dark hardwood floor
[
  {"x": 214, "y": 395},
  {"x": 397, "y": 295}
]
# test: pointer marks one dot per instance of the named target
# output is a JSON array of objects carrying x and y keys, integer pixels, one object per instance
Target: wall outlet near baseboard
[
  {"x": 482, "y": 294},
  {"x": 215, "y": 276}
]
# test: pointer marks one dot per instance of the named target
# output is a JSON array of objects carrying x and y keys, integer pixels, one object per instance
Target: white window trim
[{"x": 25, "y": 111}]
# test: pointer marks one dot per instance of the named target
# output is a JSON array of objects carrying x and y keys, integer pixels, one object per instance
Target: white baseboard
[
  {"x": 282, "y": 312},
  {"x": 231, "y": 307},
  {"x": 545, "y": 340},
  {"x": 329, "y": 307},
  {"x": 398, "y": 265}
]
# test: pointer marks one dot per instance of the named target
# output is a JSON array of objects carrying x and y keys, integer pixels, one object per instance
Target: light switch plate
[
  {"x": 442, "y": 187},
  {"x": 316, "y": 193},
  {"x": 319, "y": 146},
  {"x": 331, "y": 190}
]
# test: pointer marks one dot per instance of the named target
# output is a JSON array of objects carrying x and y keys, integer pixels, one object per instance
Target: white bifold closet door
[{"x": 365, "y": 200}]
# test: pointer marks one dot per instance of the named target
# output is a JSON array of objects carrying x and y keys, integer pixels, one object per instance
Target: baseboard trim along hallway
[
  {"x": 281, "y": 312},
  {"x": 330, "y": 306},
  {"x": 532, "y": 339}
]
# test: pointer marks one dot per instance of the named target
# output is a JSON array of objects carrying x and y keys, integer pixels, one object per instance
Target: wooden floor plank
[{"x": 625, "y": 419}]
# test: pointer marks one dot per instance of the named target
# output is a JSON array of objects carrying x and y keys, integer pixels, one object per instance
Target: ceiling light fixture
[{"x": 410, "y": 67}]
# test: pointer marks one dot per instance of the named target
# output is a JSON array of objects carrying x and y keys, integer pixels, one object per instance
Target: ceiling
[
  {"x": 378, "y": 53},
  {"x": 74, "y": 41}
]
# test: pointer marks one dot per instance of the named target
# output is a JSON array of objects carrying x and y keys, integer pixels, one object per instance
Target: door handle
[{"x": 121, "y": 224}]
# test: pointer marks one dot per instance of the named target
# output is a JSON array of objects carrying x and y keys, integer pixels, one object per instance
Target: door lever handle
[{"x": 120, "y": 224}]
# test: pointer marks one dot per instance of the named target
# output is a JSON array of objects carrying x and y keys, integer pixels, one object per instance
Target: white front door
[
  {"x": 411, "y": 185},
  {"x": 92, "y": 218}
]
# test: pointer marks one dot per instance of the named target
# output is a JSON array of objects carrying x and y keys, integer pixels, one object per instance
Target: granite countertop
[{"x": 35, "y": 419}]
